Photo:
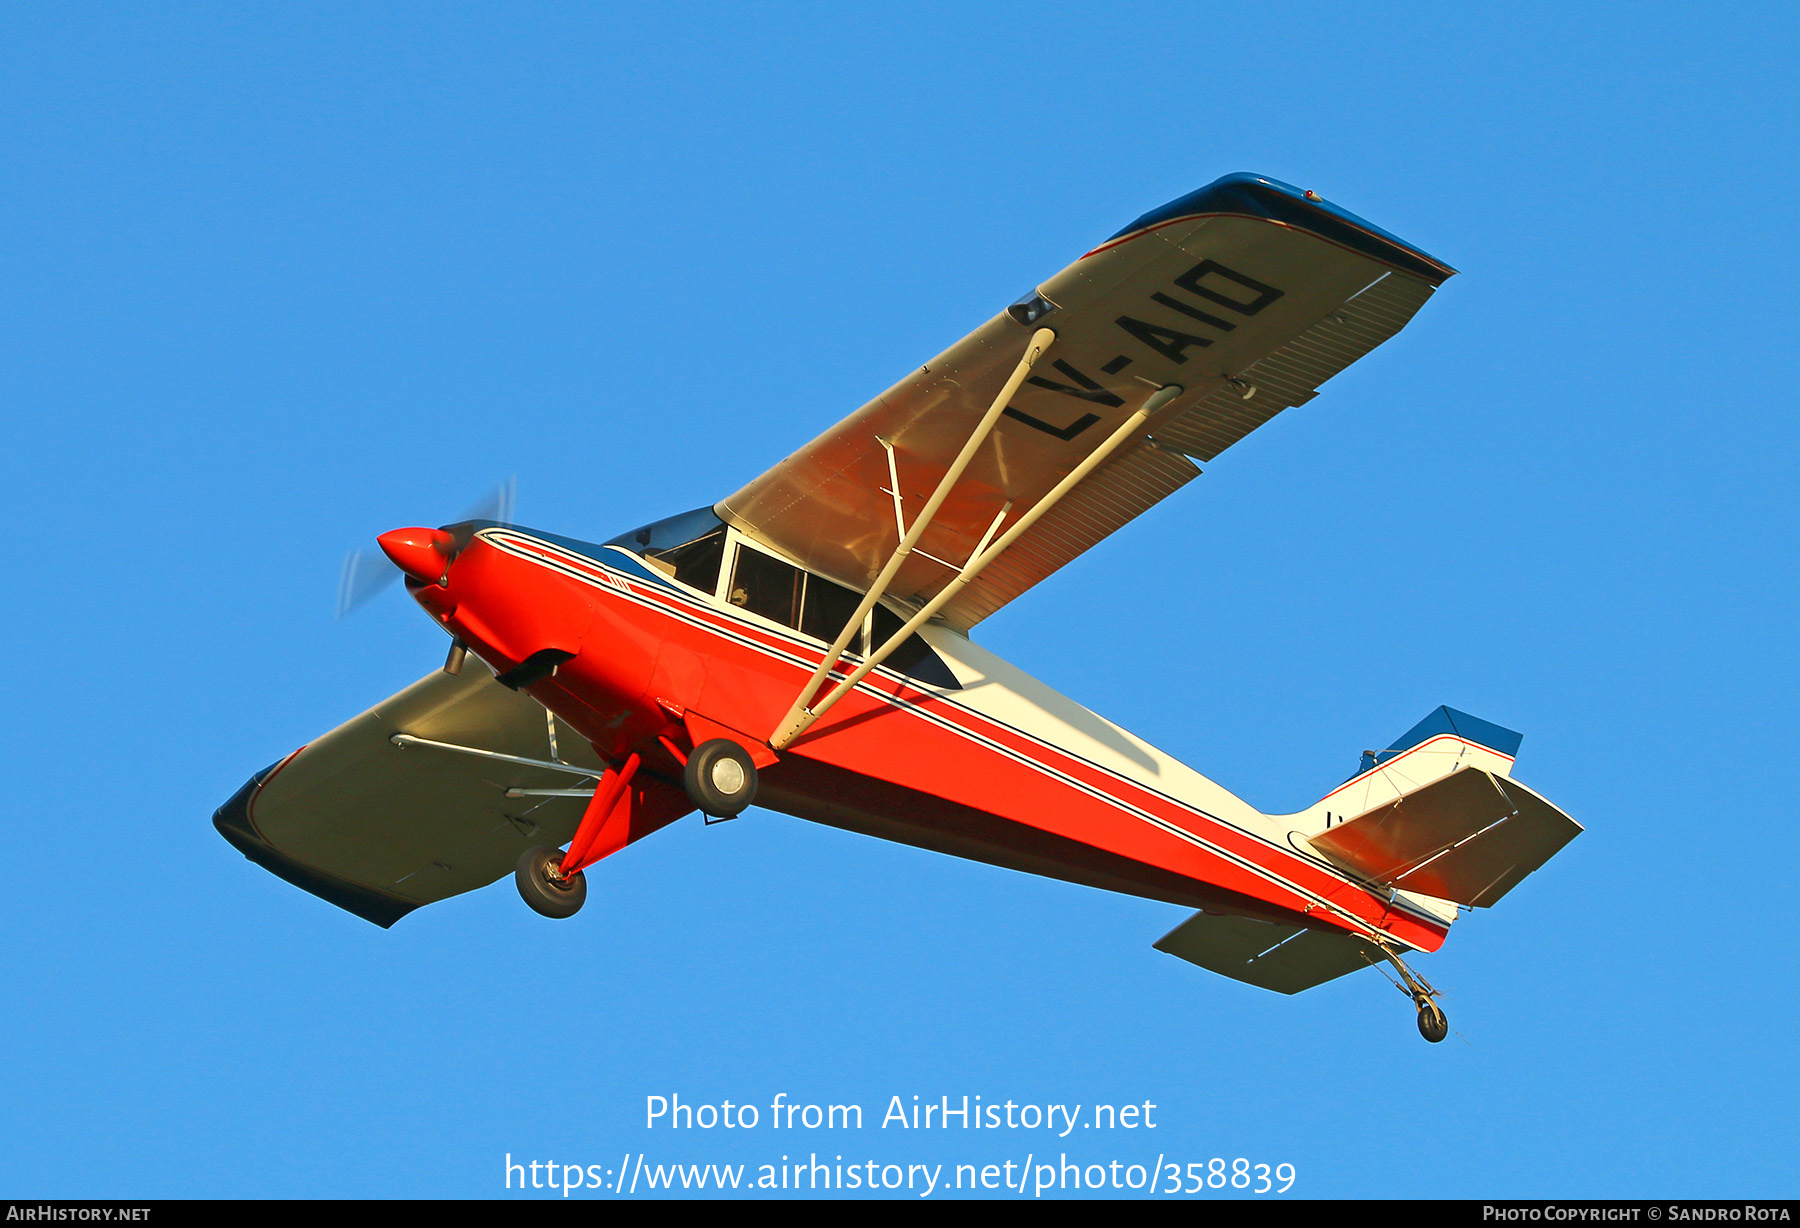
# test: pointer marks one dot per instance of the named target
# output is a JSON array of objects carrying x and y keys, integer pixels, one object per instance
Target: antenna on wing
[{"x": 367, "y": 572}]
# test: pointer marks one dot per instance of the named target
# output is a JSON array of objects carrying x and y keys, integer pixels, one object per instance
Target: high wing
[
  {"x": 380, "y": 827},
  {"x": 1248, "y": 294}
]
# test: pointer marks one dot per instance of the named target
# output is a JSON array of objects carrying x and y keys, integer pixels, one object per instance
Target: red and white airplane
[{"x": 806, "y": 642}]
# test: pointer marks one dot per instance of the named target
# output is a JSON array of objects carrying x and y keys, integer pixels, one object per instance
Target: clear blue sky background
[{"x": 275, "y": 279}]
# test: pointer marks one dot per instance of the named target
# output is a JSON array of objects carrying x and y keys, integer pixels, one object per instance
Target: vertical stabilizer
[{"x": 1444, "y": 742}]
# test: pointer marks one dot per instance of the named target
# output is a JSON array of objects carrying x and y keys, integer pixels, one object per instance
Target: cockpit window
[
  {"x": 696, "y": 563},
  {"x": 690, "y": 547},
  {"x": 765, "y": 585},
  {"x": 783, "y": 593}
]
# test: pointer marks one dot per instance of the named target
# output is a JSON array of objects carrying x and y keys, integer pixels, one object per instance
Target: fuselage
[{"x": 954, "y": 750}]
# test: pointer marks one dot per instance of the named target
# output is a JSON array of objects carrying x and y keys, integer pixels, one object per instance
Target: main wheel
[
  {"x": 543, "y": 887},
  {"x": 719, "y": 778},
  {"x": 1432, "y": 1024}
]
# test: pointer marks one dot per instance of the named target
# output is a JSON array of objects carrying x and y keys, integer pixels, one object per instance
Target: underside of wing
[
  {"x": 1246, "y": 294},
  {"x": 1284, "y": 958},
  {"x": 380, "y": 828}
]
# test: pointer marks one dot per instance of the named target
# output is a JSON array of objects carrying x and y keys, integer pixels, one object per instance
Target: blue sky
[{"x": 277, "y": 279}]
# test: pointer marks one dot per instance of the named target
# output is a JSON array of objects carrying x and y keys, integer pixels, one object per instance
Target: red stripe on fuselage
[{"x": 940, "y": 767}]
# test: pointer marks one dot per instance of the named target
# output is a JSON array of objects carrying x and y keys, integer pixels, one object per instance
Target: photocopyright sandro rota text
[{"x": 1024, "y": 1149}]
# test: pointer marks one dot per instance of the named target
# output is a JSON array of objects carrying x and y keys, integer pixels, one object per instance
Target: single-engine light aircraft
[{"x": 805, "y": 643}]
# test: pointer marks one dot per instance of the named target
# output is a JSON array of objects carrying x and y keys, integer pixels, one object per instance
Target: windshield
[{"x": 653, "y": 539}]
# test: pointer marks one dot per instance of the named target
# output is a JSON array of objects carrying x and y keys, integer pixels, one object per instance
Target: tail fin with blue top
[
  {"x": 1438, "y": 814},
  {"x": 1436, "y": 817},
  {"x": 1446, "y": 741}
]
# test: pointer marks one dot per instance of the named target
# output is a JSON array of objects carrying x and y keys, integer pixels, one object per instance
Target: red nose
[{"x": 422, "y": 554}]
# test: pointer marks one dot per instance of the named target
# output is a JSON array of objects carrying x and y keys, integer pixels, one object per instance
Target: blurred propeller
[
  {"x": 498, "y": 505},
  {"x": 368, "y": 572}
]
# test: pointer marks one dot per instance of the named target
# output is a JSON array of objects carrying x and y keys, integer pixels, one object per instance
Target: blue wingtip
[{"x": 1261, "y": 196}]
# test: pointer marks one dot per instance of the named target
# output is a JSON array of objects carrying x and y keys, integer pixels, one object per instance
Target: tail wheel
[
  {"x": 1432, "y": 1024},
  {"x": 543, "y": 887},
  {"x": 720, "y": 778}
]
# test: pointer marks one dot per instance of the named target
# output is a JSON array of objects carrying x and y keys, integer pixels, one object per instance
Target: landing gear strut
[
  {"x": 545, "y": 888},
  {"x": 1433, "y": 1026}
]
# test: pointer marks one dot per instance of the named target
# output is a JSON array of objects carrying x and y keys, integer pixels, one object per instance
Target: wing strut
[
  {"x": 407, "y": 739},
  {"x": 799, "y": 717},
  {"x": 1034, "y": 350}
]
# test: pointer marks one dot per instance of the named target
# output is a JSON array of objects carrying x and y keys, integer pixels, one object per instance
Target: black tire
[
  {"x": 542, "y": 886},
  {"x": 1432, "y": 1024},
  {"x": 720, "y": 778}
]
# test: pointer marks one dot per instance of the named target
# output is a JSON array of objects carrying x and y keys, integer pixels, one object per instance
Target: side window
[
  {"x": 783, "y": 593},
  {"x": 914, "y": 657},
  {"x": 780, "y": 591},
  {"x": 827, "y": 608},
  {"x": 765, "y": 585}
]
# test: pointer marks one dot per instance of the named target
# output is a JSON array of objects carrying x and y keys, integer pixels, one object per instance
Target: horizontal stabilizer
[
  {"x": 1469, "y": 837},
  {"x": 1285, "y": 958}
]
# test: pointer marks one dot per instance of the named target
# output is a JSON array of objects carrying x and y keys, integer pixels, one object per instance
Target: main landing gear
[
  {"x": 719, "y": 778},
  {"x": 1433, "y": 1026},
  {"x": 544, "y": 886}
]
